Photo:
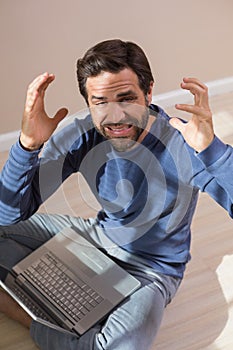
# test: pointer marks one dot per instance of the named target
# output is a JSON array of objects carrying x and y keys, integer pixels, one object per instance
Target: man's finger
[
  {"x": 48, "y": 79},
  {"x": 177, "y": 124},
  {"x": 198, "y": 89},
  {"x": 194, "y": 109},
  {"x": 60, "y": 115},
  {"x": 41, "y": 82},
  {"x": 36, "y": 89},
  {"x": 194, "y": 81}
]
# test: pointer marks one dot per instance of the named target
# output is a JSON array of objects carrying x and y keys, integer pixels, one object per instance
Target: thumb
[
  {"x": 60, "y": 115},
  {"x": 177, "y": 124}
]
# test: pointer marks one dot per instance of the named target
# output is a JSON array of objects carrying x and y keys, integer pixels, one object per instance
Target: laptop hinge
[{"x": 20, "y": 280}]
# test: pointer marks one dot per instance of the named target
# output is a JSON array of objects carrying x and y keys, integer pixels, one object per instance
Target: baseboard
[
  {"x": 165, "y": 100},
  {"x": 216, "y": 87}
]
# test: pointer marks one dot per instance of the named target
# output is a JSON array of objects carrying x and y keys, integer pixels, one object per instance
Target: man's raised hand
[
  {"x": 198, "y": 132},
  {"x": 37, "y": 126}
]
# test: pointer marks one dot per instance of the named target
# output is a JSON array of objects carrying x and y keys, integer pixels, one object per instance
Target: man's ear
[{"x": 150, "y": 93}]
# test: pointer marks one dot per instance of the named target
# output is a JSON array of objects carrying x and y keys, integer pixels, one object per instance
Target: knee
[{"x": 129, "y": 333}]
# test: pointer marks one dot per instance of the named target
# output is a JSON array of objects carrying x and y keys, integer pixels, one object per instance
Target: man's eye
[
  {"x": 128, "y": 99},
  {"x": 101, "y": 103}
]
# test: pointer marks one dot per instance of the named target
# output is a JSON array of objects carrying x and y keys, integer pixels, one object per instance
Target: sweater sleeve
[
  {"x": 29, "y": 178},
  {"x": 15, "y": 182},
  {"x": 216, "y": 178}
]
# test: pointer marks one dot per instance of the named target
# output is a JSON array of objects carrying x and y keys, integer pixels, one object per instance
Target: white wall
[{"x": 180, "y": 37}]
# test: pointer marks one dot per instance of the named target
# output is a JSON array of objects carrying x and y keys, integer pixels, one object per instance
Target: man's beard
[{"x": 136, "y": 127}]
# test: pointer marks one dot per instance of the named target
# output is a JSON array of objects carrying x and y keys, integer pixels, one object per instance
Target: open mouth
[{"x": 118, "y": 130}]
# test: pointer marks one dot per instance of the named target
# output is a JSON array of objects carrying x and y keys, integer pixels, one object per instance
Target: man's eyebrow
[
  {"x": 127, "y": 93},
  {"x": 100, "y": 98},
  {"x": 120, "y": 95}
]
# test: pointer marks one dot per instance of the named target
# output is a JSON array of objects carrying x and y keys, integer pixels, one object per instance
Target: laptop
[{"x": 68, "y": 283}]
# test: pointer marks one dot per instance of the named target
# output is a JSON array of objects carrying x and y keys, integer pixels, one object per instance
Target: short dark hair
[{"x": 113, "y": 56}]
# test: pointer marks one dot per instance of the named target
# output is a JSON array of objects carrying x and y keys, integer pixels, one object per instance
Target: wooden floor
[{"x": 201, "y": 315}]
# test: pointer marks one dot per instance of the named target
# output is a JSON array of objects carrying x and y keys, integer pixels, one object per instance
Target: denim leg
[
  {"x": 36, "y": 230},
  {"x": 135, "y": 323},
  {"x": 132, "y": 325},
  {"x": 19, "y": 240},
  {"x": 10, "y": 253}
]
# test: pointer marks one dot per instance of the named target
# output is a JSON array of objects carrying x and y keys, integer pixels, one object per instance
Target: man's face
[{"x": 118, "y": 107}]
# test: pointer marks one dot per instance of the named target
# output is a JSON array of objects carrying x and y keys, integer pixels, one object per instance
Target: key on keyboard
[
  {"x": 36, "y": 310},
  {"x": 74, "y": 296}
]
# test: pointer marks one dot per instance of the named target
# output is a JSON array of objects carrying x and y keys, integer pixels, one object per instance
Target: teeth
[{"x": 119, "y": 127}]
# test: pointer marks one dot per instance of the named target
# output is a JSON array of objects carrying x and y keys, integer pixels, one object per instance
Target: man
[{"x": 144, "y": 168}]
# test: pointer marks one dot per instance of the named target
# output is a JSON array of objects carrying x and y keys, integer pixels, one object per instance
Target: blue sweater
[{"x": 148, "y": 194}]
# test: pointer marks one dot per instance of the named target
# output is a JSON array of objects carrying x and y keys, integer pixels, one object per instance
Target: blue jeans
[{"x": 132, "y": 325}]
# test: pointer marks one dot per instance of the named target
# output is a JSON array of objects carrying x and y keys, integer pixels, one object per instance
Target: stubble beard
[{"x": 123, "y": 144}]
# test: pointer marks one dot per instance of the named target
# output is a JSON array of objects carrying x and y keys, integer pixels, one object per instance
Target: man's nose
[{"x": 115, "y": 113}]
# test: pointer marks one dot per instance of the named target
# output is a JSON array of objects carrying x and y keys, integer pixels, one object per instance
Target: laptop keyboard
[
  {"x": 73, "y": 296},
  {"x": 36, "y": 310}
]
